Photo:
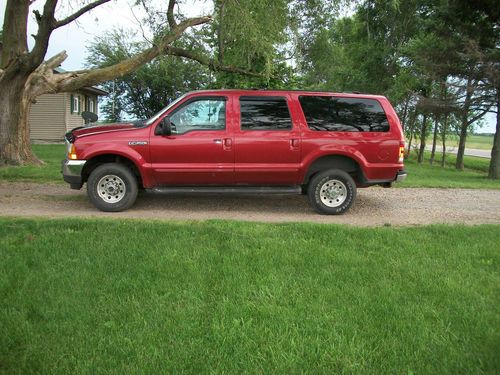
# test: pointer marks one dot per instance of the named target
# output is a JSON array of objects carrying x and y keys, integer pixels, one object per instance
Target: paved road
[
  {"x": 468, "y": 151},
  {"x": 373, "y": 207}
]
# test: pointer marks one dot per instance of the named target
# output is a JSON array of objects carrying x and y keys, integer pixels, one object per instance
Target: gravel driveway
[{"x": 373, "y": 206}]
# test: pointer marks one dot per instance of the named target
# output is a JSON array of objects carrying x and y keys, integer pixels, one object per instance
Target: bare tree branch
[
  {"x": 47, "y": 23},
  {"x": 45, "y": 26},
  {"x": 478, "y": 116},
  {"x": 139, "y": 23},
  {"x": 41, "y": 81},
  {"x": 204, "y": 60},
  {"x": 73, "y": 80},
  {"x": 82, "y": 11},
  {"x": 170, "y": 14}
]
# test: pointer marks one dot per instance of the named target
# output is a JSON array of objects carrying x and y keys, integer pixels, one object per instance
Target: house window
[
  {"x": 91, "y": 106},
  {"x": 76, "y": 104}
]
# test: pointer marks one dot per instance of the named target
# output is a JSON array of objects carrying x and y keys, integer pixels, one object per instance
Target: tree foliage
[{"x": 151, "y": 87}]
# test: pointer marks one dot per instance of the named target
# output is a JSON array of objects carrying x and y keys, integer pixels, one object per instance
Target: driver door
[{"x": 200, "y": 149}]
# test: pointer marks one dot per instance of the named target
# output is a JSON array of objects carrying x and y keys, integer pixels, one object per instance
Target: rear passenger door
[{"x": 267, "y": 142}]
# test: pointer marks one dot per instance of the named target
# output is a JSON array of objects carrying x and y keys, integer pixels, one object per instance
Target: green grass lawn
[
  {"x": 103, "y": 296},
  {"x": 50, "y": 172},
  {"x": 475, "y": 175},
  {"x": 479, "y": 142}
]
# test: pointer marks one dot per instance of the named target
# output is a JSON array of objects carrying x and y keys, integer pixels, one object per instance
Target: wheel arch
[
  {"x": 104, "y": 158},
  {"x": 335, "y": 161}
]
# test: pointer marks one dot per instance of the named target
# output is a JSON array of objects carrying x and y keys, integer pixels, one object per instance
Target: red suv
[{"x": 243, "y": 141}]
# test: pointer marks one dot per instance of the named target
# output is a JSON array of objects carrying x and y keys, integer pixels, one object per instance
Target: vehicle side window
[
  {"x": 327, "y": 113},
  {"x": 264, "y": 113},
  {"x": 203, "y": 114}
]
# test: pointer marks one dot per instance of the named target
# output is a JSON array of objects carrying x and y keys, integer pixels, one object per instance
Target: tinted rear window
[
  {"x": 264, "y": 113},
  {"x": 327, "y": 113}
]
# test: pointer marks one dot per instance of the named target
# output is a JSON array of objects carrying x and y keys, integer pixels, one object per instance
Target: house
[{"x": 52, "y": 115}]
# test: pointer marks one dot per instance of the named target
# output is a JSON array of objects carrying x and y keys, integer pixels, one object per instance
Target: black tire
[
  {"x": 121, "y": 179},
  {"x": 339, "y": 196}
]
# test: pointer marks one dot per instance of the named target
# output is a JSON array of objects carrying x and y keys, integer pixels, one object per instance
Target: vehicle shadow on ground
[
  {"x": 213, "y": 202},
  {"x": 262, "y": 204}
]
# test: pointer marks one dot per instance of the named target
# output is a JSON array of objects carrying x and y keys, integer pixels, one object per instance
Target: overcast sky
[{"x": 74, "y": 37}]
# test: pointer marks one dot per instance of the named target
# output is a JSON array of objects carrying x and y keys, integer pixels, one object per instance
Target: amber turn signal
[{"x": 72, "y": 153}]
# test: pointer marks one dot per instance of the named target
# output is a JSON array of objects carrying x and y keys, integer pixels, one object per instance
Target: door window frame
[
  {"x": 192, "y": 100},
  {"x": 263, "y": 98}
]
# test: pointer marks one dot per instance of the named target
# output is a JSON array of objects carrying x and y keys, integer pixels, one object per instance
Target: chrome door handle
[{"x": 218, "y": 141}]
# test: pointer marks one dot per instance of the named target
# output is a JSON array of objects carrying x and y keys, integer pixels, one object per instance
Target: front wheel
[
  {"x": 112, "y": 187},
  {"x": 332, "y": 192}
]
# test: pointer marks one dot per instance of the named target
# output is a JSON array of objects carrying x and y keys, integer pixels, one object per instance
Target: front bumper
[
  {"x": 401, "y": 176},
  {"x": 72, "y": 172}
]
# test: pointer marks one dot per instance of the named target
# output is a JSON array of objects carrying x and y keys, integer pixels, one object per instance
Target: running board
[{"x": 228, "y": 189}]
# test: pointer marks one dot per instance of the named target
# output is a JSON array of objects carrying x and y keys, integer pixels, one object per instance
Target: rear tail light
[{"x": 401, "y": 153}]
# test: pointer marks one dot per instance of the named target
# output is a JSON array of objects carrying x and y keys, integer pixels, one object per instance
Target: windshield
[{"x": 155, "y": 117}]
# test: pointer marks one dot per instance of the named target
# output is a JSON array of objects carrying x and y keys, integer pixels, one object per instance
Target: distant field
[
  {"x": 479, "y": 142},
  {"x": 222, "y": 297}
]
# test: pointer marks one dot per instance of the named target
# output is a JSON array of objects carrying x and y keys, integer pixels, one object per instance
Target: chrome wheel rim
[
  {"x": 111, "y": 188},
  {"x": 333, "y": 193}
]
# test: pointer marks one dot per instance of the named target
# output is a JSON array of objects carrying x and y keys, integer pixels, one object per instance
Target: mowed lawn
[
  {"x": 52, "y": 155},
  {"x": 103, "y": 296},
  {"x": 474, "y": 176}
]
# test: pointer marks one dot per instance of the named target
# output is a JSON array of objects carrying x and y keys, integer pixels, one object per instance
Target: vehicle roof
[{"x": 281, "y": 92}]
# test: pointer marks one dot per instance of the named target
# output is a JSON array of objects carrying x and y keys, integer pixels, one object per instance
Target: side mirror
[{"x": 164, "y": 127}]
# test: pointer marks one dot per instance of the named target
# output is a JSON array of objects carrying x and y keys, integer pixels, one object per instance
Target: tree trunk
[
  {"x": 405, "y": 114},
  {"x": 461, "y": 144},
  {"x": 464, "y": 125},
  {"x": 15, "y": 146},
  {"x": 434, "y": 139},
  {"x": 494, "y": 171},
  {"x": 423, "y": 131},
  {"x": 443, "y": 139},
  {"x": 413, "y": 118}
]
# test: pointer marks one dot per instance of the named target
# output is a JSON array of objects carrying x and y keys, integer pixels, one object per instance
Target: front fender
[{"x": 124, "y": 151}]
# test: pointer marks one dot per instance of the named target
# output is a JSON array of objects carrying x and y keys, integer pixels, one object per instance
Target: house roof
[
  {"x": 95, "y": 90},
  {"x": 89, "y": 89}
]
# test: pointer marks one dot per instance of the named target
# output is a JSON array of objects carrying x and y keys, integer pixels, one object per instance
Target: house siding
[
  {"x": 75, "y": 119},
  {"x": 47, "y": 118},
  {"x": 51, "y": 116}
]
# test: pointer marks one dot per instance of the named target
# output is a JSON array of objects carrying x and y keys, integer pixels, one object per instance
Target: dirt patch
[{"x": 373, "y": 206}]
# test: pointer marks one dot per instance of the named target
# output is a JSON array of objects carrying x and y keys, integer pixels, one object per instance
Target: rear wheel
[
  {"x": 112, "y": 187},
  {"x": 332, "y": 192}
]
